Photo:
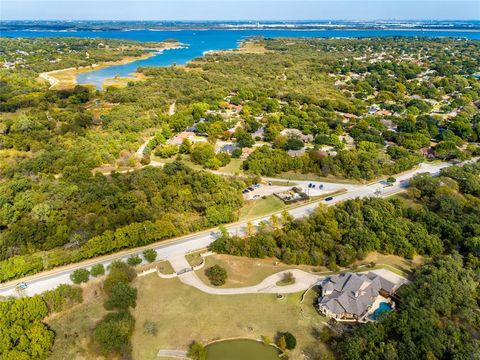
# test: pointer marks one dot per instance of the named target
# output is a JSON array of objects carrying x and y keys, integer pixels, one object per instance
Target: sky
[{"x": 239, "y": 9}]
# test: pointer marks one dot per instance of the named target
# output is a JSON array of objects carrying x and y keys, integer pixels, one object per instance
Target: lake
[
  {"x": 241, "y": 350},
  {"x": 200, "y": 41}
]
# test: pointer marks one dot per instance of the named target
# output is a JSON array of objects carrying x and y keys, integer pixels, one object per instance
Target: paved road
[{"x": 41, "y": 282}]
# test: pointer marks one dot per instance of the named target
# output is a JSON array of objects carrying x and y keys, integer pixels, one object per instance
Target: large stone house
[{"x": 352, "y": 296}]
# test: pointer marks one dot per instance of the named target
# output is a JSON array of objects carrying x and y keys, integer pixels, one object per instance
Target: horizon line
[{"x": 244, "y": 20}]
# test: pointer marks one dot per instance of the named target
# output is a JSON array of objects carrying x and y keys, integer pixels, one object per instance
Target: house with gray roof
[{"x": 353, "y": 296}]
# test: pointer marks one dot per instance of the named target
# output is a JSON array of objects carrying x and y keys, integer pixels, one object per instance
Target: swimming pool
[{"x": 382, "y": 308}]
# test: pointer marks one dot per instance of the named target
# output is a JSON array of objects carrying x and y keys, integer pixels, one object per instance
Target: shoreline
[{"x": 68, "y": 76}]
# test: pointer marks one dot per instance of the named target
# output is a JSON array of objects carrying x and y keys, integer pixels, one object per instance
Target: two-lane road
[{"x": 48, "y": 280}]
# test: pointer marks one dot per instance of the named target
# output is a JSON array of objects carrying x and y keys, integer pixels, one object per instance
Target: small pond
[{"x": 241, "y": 350}]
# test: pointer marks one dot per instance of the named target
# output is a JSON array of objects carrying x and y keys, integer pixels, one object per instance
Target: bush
[
  {"x": 150, "y": 328},
  {"x": 134, "y": 260},
  {"x": 80, "y": 276},
  {"x": 197, "y": 351},
  {"x": 150, "y": 255},
  {"x": 97, "y": 270},
  {"x": 236, "y": 153},
  {"x": 216, "y": 274},
  {"x": 290, "y": 340}
]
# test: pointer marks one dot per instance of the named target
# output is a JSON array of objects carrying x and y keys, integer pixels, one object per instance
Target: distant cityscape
[{"x": 91, "y": 25}]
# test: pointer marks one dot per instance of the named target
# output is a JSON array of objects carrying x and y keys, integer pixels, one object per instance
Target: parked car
[
  {"x": 329, "y": 198},
  {"x": 256, "y": 197}
]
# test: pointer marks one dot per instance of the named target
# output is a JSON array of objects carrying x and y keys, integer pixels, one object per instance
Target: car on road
[
  {"x": 22, "y": 285},
  {"x": 330, "y": 198}
]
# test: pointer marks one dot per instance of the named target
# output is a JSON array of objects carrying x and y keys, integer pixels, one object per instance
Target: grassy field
[
  {"x": 256, "y": 208},
  {"x": 234, "y": 167},
  {"x": 73, "y": 331},
  {"x": 184, "y": 314},
  {"x": 244, "y": 271}
]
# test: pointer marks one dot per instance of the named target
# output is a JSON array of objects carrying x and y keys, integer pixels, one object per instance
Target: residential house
[
  {"x": 180, "y": 137},
  {"x": 354, "y": 296},
  {"x": 246, "y": 151},
  {"x": 298, "y": 134}
]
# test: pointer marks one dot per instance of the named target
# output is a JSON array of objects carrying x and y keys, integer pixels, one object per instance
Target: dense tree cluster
[
  {"x": 331, "y": 236},
  {"x": 437, "y": 318},
  {"x": 113, "y": 332},
  {"x": 23, "y": 334},
  {"x": 95, "y": 215}
]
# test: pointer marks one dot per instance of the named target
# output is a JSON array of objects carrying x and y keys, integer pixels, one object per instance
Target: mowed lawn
[
  {"x": 183, "y": 314},
  {"x": 244, "y": 271},
  {"x": 263, "y": 206}
]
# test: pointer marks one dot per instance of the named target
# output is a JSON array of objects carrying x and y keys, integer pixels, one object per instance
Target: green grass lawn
[
  {"x": 257, "y": 208},
  {"x": 184, "y": 314},
  {"x": 234, "y": 167}
]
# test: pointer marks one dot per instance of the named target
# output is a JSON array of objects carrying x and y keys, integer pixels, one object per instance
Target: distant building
[
  {"x": 298, "y": 134},
  {"x": 246, "y": 151},
  {"x": 178, "y": 139},
  {"x": 354, "y": 297}
]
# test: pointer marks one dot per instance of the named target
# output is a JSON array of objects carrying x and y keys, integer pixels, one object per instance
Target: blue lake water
[{"x": 200, "y": 41}]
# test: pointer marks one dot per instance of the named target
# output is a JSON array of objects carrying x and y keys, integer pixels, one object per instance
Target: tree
[
  {"x": 216, "y": 274},
  {"x": 80, "y": 276},
  {"x": 150, "y": 255},
  {"x": 119, "y": 272},
  {"x": 134, "y": 260},
  {"x": 391, "y": 180},
  {"x": 290, "y": 341},
  {"x": 121, "y": 297},
  {"x": 97, "y": 270},
  {"x": 114, "y": 331},
  {"x": 202, "y": 152},
  {"x": 197, "y": 351},
  {"x": 23, "y": 335}
]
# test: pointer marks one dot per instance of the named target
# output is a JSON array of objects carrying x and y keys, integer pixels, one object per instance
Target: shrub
[
  {"x": 80, "y": 276},
  {"x": 236, "y": 153},
  {"x": 150, "y": 328},
  {"x": 216, "y": 274},
  {"x": 62, "y": 297},
  {"x": 134, "y": 260},
  {"x": 97, "y": 270},
  {"x": 197, "y": 351},
  {"x": 150, "y": 255}
]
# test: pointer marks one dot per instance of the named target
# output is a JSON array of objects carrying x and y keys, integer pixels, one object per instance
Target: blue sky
[{"x": 238, "y": 9}]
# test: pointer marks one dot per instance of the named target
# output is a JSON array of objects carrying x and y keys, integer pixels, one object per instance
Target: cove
[
  {"x": 199, "y": 41},
  {"x": 241, "y": 350}
]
